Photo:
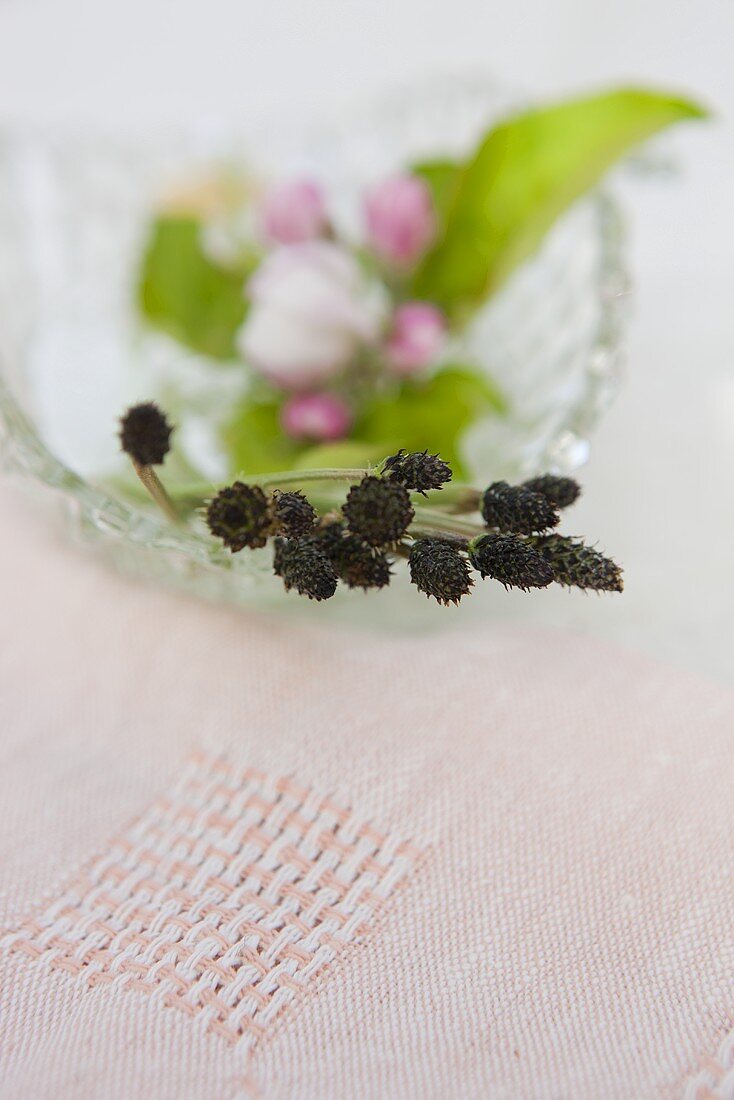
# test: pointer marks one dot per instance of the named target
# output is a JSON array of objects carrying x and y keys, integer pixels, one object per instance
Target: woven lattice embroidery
[
  {"x": 225, "y": 899},
  {"x": 715, "y": 1081}
]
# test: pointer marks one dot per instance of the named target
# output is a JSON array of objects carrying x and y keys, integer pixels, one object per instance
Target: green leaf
[
  {"x": 525, "y": 173},
  {"x": 254, "y": 439},
  {"x": 182, "y": 292},
  {"x": 433, "y": 414},
  {"x": 349, "y": 453},
  {"x": 442, "y": 176}
]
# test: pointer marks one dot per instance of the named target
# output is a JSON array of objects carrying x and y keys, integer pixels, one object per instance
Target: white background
[{"x": 660, "y": 482}]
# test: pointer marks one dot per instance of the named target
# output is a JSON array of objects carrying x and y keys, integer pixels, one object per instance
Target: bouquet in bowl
[
  {"x": 385, "y": 334},
  {"x": 355, "y": 336},
  {"x": 352, "y": 340}
]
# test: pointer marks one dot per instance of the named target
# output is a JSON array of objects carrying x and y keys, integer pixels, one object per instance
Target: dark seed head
[
  {"x": 145, "y": 434},
  {"x": 419, "y": 470},
  {"x": 378, "y": 510},
  {"x": 516, "y": 509},
  {"x": 303, "y": 566},
  {"x": 439, "y": 570},
  {"x": 578, "y": 565},
  {"x": 280, "y": 547},
  {"x": 509, "y": 560},
  {"x": 560, "y": 491},
  {"x": 295, "y": 515},
  {"x": 241, "y": 515},
  {"x": 328, "y": 537},
  {"x": 360, "y": 565}
]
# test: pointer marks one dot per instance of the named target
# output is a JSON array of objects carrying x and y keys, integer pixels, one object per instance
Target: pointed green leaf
[{"x": 525, "y": 173}]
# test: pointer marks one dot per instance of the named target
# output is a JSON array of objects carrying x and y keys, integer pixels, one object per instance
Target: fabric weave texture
[{"x": 506, "y": 856}]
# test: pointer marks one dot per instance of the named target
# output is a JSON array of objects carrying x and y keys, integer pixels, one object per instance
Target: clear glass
[{"x": 73, "y": 214}]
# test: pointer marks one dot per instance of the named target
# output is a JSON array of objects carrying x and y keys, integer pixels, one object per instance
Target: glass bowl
[{"x": 74, "y": 209}]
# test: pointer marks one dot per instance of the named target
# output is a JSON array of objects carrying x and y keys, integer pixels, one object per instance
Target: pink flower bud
[
  {"x": 317, "y": 416},
  {"x": 401, "y": 220},
  {"x": 417, "y": 337},
  {"x": 294, "y": 212}
]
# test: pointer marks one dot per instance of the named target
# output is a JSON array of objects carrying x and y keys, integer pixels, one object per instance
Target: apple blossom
[{"x": 312, "y": 308}]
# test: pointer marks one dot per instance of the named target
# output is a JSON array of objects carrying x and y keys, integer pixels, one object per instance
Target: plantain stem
[
  {"x": 433, "y": 517},
  {"x": 153, "y": 484},
  {"x": 419, "y": 531},
  {"x": 297, "y": 477}
]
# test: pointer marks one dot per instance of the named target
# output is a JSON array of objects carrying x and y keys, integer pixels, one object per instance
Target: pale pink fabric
[{"x": 562, "y": 925}]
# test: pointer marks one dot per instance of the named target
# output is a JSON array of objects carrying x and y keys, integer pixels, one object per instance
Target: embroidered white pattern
[
  {"x": 716, "y": 1080},
  {"x": 225, "y": 899}
]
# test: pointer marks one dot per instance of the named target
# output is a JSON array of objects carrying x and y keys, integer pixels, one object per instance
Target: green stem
[
  {"x": 197, "y": 491},
  {"x": 433, "y": 517},
  {"x": 418, "y": 531},
  {"x": 460, "y": 499},
  {"x": 297, "y": 477}
]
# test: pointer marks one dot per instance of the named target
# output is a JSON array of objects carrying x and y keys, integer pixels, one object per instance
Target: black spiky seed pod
[
  {"x": 242, "y": 515},
  {"x": 560, "y": 491},
  {"x": 145, "y": 434},
  {"x": 296, "y": 515},
  {"x": 577, "y": 565},
  {"x": 378, "y": 510},
  {"x": 280, "y": 546},
  {"x": 328, "y": 537},
  {"x": 439, "y": 570},
  {"x": 360, "y": 565},
  {"x": 303, "y": 566},
  {"x": 517, "y": 510},
  {"x": 418, "y": 470},
  {"x": 510, "y": 560}
]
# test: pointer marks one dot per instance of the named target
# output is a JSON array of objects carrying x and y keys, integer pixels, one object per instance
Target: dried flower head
[
  {"x": 328, "y": 536},
  {"x": 359, "y": 565},
  {"x": 305, "y": 567},
  {"x": 418, "y": 470},
  {"x": 438, "y": 569},
  {"x": 242, "y": 515},
  {"x": 280, "y": 546},
  {"x": 560, "y": 491},
  {"x": 145, "y": 434},
  {"x": 575, "y": 564},
  {"x": 516, "y": 509},
  {"x": 378, "y": 511},
  {"x": 509, "y": 560},
  {"x": 295, "y": 514}
]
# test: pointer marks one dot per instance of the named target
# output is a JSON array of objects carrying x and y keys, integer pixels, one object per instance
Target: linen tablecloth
[{"x": 244, "y": 857}]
